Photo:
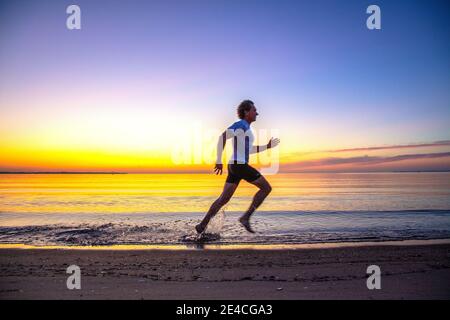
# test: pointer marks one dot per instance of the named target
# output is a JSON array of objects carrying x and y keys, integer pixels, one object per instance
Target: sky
[{"x": 144, "y": 81}]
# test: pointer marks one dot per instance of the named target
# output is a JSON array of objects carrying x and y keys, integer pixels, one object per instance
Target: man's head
[{"x": 247, "y": 111}]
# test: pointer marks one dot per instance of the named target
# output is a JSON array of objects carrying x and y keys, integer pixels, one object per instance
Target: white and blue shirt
[{"x": 242, "y": 141}]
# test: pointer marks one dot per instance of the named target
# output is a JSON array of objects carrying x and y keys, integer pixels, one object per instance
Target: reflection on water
[
  {"x": 129, "y": 247},
  {"x": 145, "y": 193},
  {"x": 112, "y": 209}
]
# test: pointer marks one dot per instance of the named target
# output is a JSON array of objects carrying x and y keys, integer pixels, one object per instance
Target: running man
[{"x": 238, "y": 167}]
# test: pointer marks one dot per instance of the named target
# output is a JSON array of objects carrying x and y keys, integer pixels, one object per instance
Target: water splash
[
  {"x": 272, "y": 227},
  {"x": 215, "y": 225},
  {"x": 211, "y": 233}
]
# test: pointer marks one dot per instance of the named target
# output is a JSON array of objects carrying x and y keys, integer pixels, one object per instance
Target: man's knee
[{"x": 267, "y": 188}]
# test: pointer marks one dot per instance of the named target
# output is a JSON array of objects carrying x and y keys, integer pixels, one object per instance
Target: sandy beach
[{"x": 407, "y": 272}]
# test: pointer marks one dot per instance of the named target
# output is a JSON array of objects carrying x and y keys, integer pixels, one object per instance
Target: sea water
[{"x": 109, "y": 209}]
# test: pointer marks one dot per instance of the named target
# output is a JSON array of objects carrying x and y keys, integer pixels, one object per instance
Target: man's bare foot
[
  {"x": 246, "y": 223},
  {"x": 199, "y": 228}
]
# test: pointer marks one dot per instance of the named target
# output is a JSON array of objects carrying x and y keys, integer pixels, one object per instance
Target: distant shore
[{"x": 407, "y": 272}]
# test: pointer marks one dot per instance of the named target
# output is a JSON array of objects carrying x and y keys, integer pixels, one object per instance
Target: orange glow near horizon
[
  {"x": 146, "y": 140},
  {"x": 161, "y": 161}
]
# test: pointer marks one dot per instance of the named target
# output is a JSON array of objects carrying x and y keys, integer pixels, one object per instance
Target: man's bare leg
[
  {"x": 263, "y": 192},
  {"x": 227, "y": 193}
]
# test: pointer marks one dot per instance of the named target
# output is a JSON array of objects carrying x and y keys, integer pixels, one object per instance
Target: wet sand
[{"x": 407, "y": 272}]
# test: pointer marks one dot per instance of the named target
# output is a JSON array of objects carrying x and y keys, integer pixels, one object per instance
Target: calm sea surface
[{"x": 106, "y": 209}]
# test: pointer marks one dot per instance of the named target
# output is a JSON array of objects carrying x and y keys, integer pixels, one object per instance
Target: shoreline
[{"x": 219, "y": 247}]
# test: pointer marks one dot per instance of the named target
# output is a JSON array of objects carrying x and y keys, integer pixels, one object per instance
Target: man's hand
[
  {"x": 218, "y": 168},
  {"x": 273, "y": 143}
]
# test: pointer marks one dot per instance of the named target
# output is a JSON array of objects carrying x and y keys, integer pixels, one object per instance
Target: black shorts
[{"x": 238, "y": 171}]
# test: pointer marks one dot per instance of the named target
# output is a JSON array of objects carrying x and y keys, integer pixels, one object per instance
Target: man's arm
[
  {"x": 221, "y": 142},
  {"x": 272, "y": 144}
]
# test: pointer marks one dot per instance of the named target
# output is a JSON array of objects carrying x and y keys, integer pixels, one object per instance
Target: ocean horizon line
[{"x": 207, "y": 172}]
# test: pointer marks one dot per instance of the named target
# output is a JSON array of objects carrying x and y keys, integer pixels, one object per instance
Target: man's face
[{"x": 252, "y": 113}]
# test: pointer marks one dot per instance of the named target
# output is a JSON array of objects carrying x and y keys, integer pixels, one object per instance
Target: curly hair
[{"x": 244, "y": 106}]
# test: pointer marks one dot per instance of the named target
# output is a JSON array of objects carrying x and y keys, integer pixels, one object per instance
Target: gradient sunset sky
[{"x": 141, "y": 76}]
